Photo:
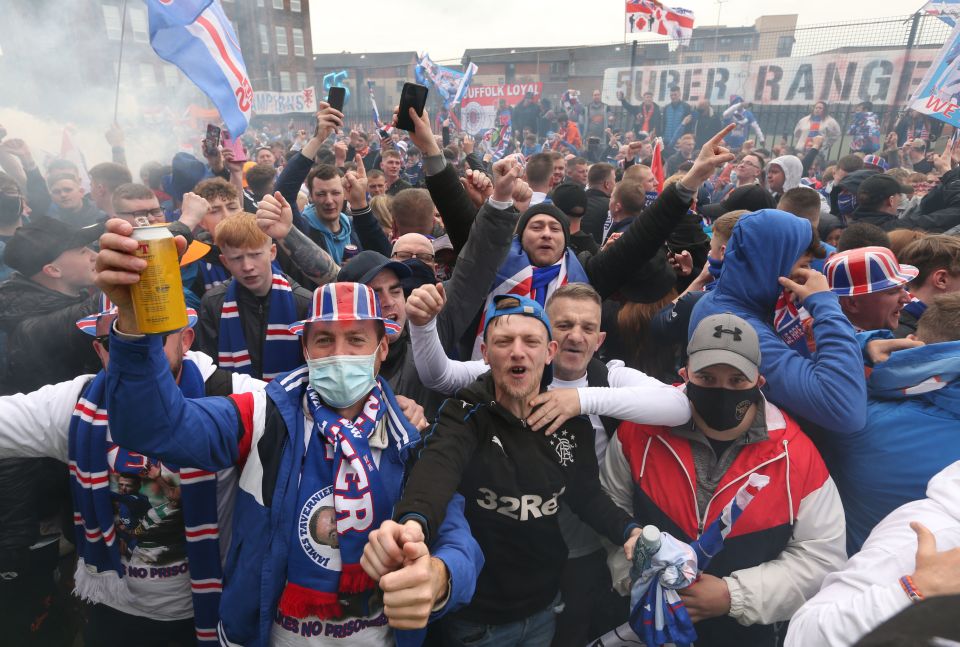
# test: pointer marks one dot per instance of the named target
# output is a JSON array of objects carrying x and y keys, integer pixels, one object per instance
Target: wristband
[{"x": 911, "y": 589}]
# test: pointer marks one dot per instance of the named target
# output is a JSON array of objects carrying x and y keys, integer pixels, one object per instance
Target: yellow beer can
[{"x": 158, "y": 298}]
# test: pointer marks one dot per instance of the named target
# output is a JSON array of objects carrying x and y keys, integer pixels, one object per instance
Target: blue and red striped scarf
[
  {"x": 100, "y": 573},
  {"x": 344, "y": 494},
  {"x": 281, "y": 348}
]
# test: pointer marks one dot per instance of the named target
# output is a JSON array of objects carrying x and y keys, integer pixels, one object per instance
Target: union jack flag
[
  {"x": 655, "y": 18},
  {"x": 519, "y": 276}
]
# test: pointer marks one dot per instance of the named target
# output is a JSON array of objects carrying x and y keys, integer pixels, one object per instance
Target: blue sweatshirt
[
  {"x": 827, "y": 389},
  {"x": 912, "y": 432}
]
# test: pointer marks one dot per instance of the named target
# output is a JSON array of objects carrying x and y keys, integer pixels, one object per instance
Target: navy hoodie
[{"x": 828, "y": 388}]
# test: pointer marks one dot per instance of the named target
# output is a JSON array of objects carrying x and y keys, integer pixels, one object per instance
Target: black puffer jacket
[
  {"x": 44, "y": 344},
  {"x": 254, "y": 313},
  {"x": 939, "y": 212}
]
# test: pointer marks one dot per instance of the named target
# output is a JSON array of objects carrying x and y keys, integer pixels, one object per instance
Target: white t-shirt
[
  {"x": 153, "y": 548},
  {"x": 600, "y": 440}
]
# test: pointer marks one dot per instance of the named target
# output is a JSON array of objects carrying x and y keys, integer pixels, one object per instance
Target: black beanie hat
[{"x": 551, "y": 210}]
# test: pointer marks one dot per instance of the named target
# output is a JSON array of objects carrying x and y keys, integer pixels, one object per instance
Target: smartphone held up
[
  {"x": 413, "y": 96},
  {"x": 235, "y": 145},
  {"x": 211, "y": 141},
  {"x": 336, "y": 97}
]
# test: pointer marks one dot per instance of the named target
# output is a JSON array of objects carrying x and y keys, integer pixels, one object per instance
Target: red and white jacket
[{"x": 783, "y": 545}]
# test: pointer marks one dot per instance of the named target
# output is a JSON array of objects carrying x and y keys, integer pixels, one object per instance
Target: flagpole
[{"x": 123, "y": 25}]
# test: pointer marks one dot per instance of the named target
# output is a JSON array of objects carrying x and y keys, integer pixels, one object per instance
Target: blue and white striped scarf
[{"x": 100, "y": 574}]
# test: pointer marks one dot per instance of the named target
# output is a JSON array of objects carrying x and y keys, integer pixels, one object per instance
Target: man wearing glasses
[
  {"x": 747, "y": 170},
  {"x": 415, "y": 246},
  {"x": 134, "y": 202}
]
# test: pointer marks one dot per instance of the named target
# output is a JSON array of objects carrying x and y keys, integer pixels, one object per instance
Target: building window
[
  {"x": 400, "y": 85},
  {"x": 401, "y": 70},
  {"x": 298, "y": 42},
  {"x": 138, "y": 21},
  {"x": 148, "y": 78},
  {"x": 784, "y": 46},
  {"x": 284, "y": 81},
  {"x": 111, "y": 20},
  {"x": 264, "y": 40},
  {"x": 295, "y": 6},
  {"x": 171, "y": 77},
  {"x": 280, "y": 33},
  {"x": 278, "y": 4},
  {"x": 301, "y": 80},
  {"x": 558, "y": 68}
]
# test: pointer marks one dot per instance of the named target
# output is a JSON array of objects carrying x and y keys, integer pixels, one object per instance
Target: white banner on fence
[
  {"x": 282, "y": 103},
  {"x": 884, "y": 77}
]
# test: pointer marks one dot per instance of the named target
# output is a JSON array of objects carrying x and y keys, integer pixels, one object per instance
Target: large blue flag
[{"x": 197, "y": 37}]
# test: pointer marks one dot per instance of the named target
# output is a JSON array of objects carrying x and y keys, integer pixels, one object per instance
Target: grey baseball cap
[{"x": 725, "y": 339}]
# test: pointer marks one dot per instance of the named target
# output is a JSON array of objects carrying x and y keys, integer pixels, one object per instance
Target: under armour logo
[{"x": 720, "y": 330}]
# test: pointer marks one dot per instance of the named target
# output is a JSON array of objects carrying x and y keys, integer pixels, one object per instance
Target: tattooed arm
[
  {"x": 275, "y": 218},
  {"x": 312, "y": 259}
]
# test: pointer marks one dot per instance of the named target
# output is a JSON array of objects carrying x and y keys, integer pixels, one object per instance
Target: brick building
[{"x": 276, "y": 42}]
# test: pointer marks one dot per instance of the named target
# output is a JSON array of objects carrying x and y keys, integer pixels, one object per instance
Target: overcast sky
[{"x": 445, "y": 27}]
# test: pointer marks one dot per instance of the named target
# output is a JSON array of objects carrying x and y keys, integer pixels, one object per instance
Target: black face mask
[
  {"x": 11, "y": 208},
  {"x": 722, "y": 409}
]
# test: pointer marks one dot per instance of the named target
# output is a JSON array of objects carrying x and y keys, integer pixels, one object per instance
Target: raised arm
[
  {"x": 484, "y": 253},
  {"x": 646, "y": 235},
  {"x": 437, "y": 371},
  {"x": 148, "y": 412},
  {"x": 830, "y": 390},
  {"x": 296, "y": 169},
  {"x": 365, "y": 223},
  {"x": 275, "y": 218},
  {"x": 451, "y": 199}
]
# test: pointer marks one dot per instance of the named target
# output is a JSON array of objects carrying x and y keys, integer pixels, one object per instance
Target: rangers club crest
[{"x": 564, "y": 445}]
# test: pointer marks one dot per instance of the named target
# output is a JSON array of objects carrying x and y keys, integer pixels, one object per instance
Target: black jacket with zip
[
  {"x": 254, "y": 312},
  {"x": 512, "y": 479}
]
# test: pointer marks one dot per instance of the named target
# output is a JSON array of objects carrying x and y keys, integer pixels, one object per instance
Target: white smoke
[{"x": 66, "y": 82}]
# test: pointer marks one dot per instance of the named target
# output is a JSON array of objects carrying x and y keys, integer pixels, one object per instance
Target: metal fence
[
  {"x": 880, "y": 60},
  {"x": 909, "y": 41}
]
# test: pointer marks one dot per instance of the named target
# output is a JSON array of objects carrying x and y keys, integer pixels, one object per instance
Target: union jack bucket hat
[
  {"x": 344, "y": 302},
  {"x": 866, "y": 270},
  {"x": 108, "y": 312}
]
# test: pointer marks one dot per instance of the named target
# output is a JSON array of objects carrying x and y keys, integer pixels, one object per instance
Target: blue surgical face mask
[
  {"x": 714, "y": 266},
  {"x": 846, "y": 202},
  {"x": 341, "y": 380}
]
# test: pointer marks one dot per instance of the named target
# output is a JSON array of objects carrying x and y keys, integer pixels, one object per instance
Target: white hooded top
[{"x": 866, "y": 591}]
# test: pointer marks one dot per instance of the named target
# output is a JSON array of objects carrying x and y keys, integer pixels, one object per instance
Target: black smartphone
[
  {"x": 413, "y": 96},
  {"x": 336, "y": 97},
  {"x": 212, "y": 140}
]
